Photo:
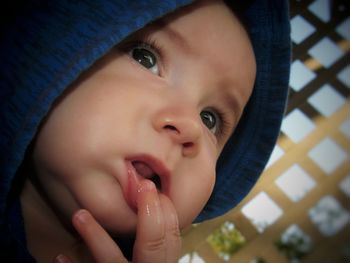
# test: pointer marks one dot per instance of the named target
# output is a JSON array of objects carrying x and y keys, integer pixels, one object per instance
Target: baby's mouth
[
  {"x": 145, "y": 171},
  {"x": 142, "y": 168}
]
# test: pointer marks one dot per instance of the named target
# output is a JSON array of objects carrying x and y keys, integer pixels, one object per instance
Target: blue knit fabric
[{"x": 46, "y": 47}]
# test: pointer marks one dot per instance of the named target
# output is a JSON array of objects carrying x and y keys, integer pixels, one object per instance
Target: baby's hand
[{"x": 157, "y": 239}]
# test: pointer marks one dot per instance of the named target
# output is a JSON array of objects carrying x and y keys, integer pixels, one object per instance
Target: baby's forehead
[
  {"x": 200, "y": 12},
  {"x": 191, "y": 29},
  {"x": 220, "y": 43}
]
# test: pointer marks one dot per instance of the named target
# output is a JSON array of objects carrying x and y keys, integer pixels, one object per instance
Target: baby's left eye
[
  {"x": 145, "y": 56},
  {"x": 211, "y": 119}
]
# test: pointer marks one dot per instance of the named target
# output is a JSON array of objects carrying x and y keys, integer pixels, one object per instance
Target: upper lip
[{"x": 156, "y": 165}]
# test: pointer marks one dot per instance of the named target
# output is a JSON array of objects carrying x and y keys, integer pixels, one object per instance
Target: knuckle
[
  {"x": 174, "y": 232},
  {"x": 156, "y": 244}
]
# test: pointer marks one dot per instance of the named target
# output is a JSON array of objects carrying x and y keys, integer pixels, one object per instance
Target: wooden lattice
[{"x": 323, "y": 25}]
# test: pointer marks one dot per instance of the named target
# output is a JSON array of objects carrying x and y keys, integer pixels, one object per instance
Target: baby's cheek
[
  {"x": 193, "y": 193},
  {"x": 103, "y": 197}
]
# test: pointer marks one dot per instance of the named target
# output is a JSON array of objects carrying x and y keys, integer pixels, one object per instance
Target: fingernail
[
  {"x": 81, "y": 216},
  {"x": 146, "y": 186},
  {"x": 147, "y": 195}
]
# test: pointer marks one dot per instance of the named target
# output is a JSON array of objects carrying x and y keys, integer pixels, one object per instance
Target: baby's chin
[{"x": 113, "y": 214}]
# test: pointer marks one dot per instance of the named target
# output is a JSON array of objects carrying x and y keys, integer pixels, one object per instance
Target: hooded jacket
[{"x": 45, "y": 45}]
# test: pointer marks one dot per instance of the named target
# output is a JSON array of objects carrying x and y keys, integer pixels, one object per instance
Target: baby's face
[{"x": 159, "y": 107}]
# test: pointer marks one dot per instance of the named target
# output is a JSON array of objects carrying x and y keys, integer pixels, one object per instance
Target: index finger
[
  {"x": 150, "y": 245},
  {"x": 158, "y": 234},
  {"x": 100, "y": 244},
  {"x": 172, "y": 230}
]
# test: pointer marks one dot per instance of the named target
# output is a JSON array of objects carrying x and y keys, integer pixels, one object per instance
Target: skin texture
[{"x": 120, "y": 110}]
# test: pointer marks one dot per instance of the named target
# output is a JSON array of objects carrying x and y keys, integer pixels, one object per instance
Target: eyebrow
[
  {"x": 231, "y": 101},
  {"x": 174, "y": 35}
]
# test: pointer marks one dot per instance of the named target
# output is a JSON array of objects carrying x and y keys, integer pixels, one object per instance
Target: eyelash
[
  {"x": 224, "y": 126},
  {"x": 151, "y": 43}
]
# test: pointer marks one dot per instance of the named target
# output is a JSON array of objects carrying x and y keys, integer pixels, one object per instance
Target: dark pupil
[
  {"x": 208, "y": 119},
  {"x": 144, "y": 57}
]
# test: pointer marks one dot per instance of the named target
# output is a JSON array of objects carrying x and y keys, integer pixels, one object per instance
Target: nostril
[{"x": 170, "y": 127}]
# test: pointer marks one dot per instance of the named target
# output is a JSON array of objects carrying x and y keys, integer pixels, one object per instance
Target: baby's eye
[
  {"x": 146, "y": 56},
  {"x": 211, "y": 119}
]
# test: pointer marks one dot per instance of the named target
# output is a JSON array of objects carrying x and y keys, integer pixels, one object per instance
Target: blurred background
[{"x": 300, "y": 209}]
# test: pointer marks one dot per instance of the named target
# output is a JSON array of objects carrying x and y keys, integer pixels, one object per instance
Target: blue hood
[{"x": 44, "y": 47}]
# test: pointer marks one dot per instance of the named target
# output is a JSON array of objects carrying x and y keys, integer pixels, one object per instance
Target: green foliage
[
  {"x": 294, "y": 245},
  {"x": 226, "y": 240}
]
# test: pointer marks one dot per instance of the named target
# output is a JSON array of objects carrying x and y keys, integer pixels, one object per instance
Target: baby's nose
[{"x": 182, "y": 127}]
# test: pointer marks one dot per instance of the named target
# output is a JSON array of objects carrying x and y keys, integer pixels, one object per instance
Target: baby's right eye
[
  {"x": 211, "y": 120},
  {"x": 145, "y": 55}
]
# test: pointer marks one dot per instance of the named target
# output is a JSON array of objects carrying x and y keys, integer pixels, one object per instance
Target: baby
[{"x": 128, "y": 147}]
